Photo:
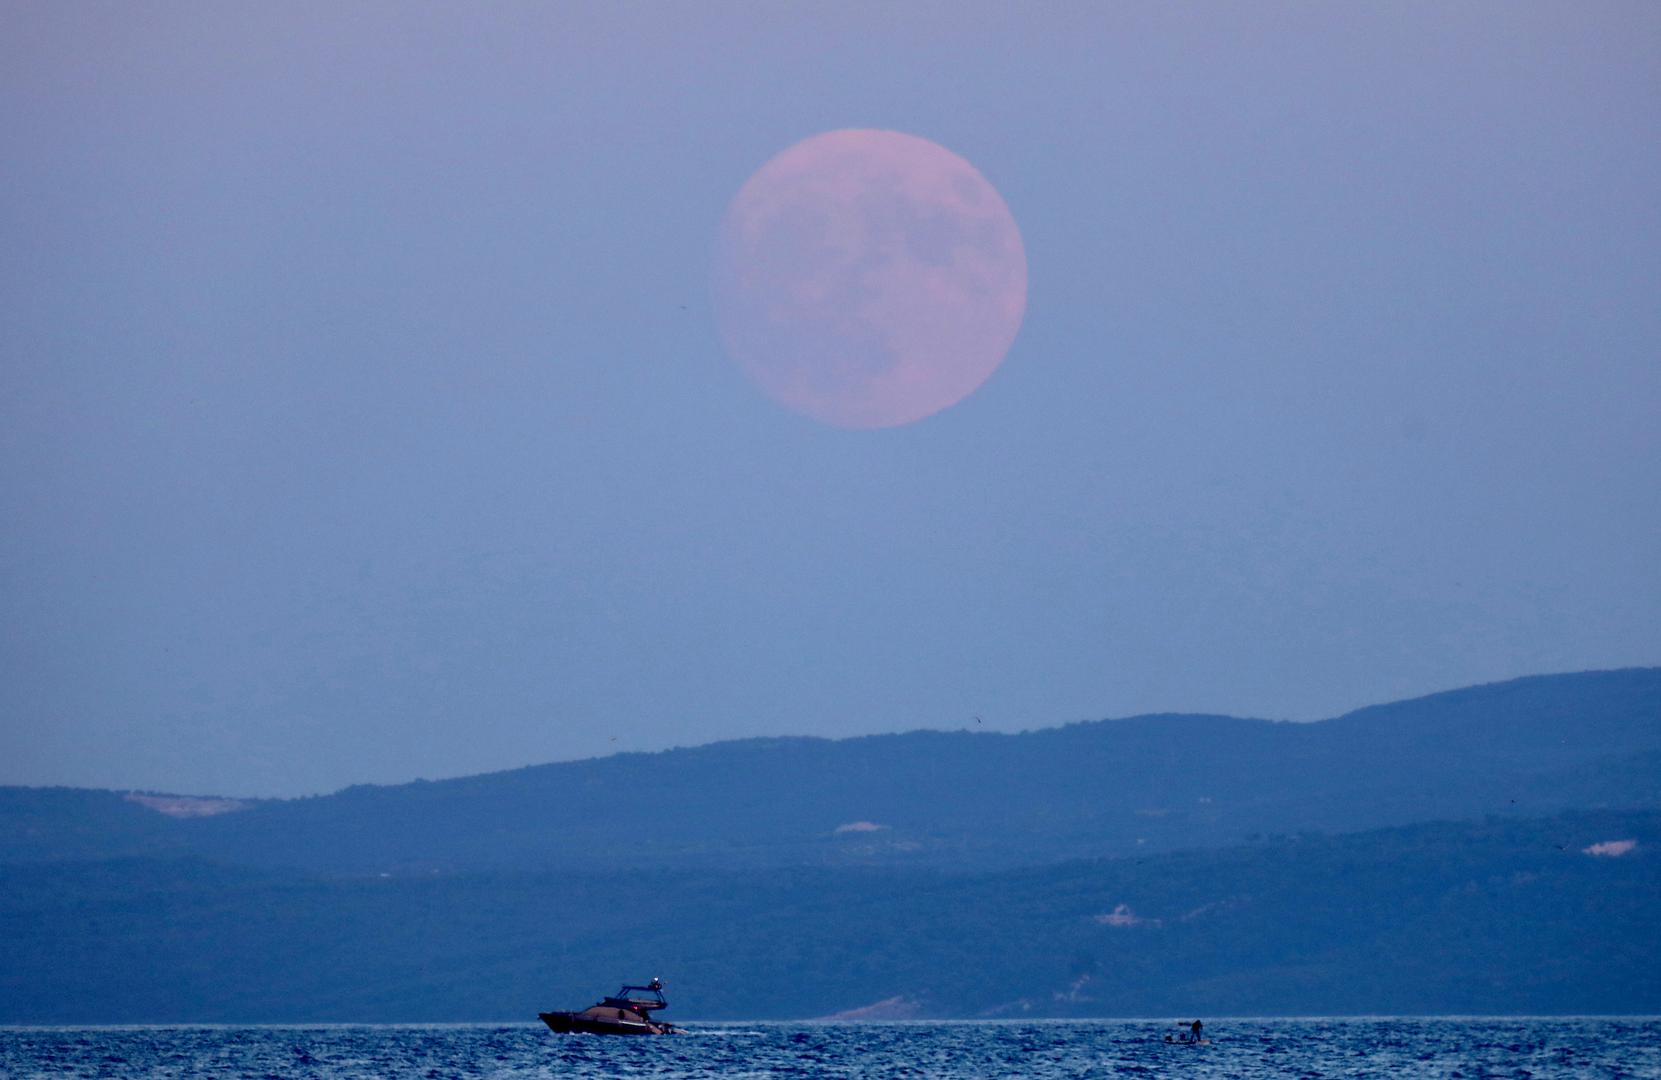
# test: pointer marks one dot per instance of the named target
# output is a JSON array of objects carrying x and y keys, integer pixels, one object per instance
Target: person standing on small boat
[{"x": 1195, "y": 1027}]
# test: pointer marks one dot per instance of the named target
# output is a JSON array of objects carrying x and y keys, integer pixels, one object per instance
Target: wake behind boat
[{"x": 623, "y": 1013}]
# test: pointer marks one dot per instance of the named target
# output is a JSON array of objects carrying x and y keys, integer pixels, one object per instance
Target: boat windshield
[{"x": 641, "y": 998}]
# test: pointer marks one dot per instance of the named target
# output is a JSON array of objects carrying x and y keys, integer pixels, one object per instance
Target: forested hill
[
  {"x": 1529, "y": 916},
  {"x": 959, "y": 800},
  {"x": 947, "y": 874}
]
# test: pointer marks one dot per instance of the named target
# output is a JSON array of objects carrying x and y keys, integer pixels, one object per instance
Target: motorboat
[{"x": 627, "y": 1012}]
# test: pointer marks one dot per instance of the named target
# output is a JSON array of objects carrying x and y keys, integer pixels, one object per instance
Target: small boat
[{"x": 623, "y": 1013}]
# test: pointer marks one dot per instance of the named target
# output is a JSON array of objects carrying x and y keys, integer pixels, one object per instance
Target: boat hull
[{"x": 565, "y": 1023}]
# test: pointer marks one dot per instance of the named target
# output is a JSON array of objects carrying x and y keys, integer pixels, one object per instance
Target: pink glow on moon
[{"x": 869, "y": 278}]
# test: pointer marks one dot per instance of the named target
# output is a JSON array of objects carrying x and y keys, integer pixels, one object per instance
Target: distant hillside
[
  {"x": 70, "y": 823},
  {"x": 1508, "y": 916},
  {"x": 957, "y": 800}
]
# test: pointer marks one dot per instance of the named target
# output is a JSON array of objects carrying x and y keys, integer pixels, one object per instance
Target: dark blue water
[{"x": 1453, "y": 1049}]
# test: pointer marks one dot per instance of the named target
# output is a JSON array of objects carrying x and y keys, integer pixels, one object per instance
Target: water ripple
[{"x": 1244, "y": 1049}]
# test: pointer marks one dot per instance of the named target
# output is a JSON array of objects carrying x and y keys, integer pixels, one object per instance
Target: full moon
[{"x": 869, "y": 279}]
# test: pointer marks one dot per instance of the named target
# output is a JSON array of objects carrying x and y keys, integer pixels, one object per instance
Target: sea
[{"x": 1349, "y": 1047}]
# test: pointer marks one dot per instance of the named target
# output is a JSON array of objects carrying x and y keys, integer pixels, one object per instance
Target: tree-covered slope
[
  {"x": 967, "y": 800},
  {"x": 1506, "y": 916},
  {"x": 948, "y": 799}
]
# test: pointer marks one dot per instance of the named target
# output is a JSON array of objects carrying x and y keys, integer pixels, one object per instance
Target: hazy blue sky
[{"x": 362, "y": 415}]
